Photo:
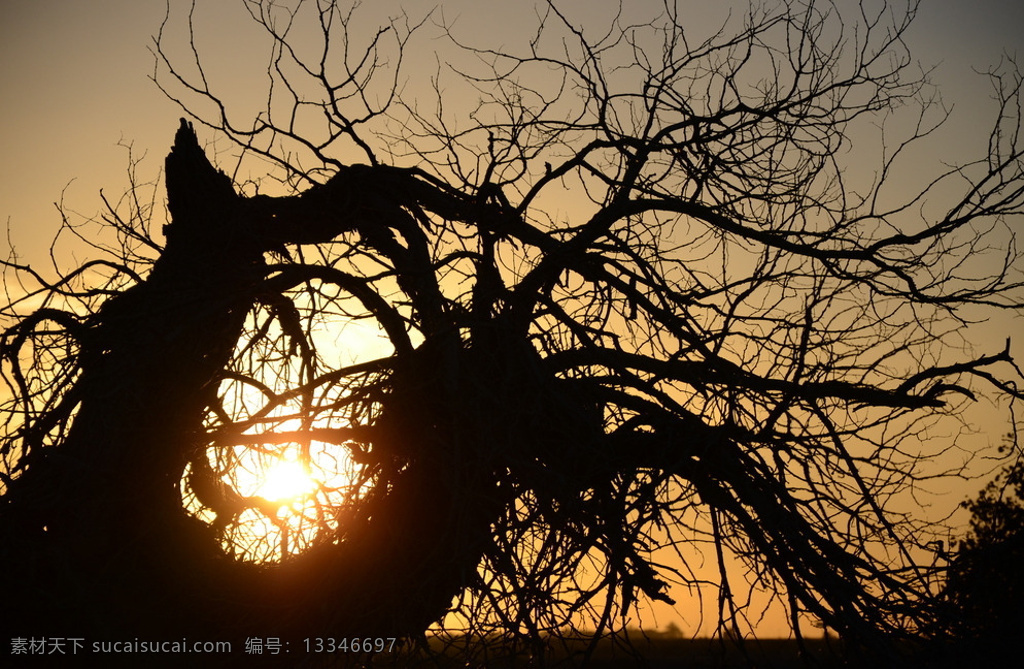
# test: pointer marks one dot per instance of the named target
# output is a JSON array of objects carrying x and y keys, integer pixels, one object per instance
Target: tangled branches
[{"x": 714, "y": 345}]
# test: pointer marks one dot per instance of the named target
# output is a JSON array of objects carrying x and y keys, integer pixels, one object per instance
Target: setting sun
[
  {"x": 285, "y": 481},
  {"x": 283, "y": 497}
]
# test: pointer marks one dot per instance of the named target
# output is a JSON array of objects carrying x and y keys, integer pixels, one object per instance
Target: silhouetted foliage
[
  {"x": 984, "y": 587},
  {"x": 633, "y": 299}
]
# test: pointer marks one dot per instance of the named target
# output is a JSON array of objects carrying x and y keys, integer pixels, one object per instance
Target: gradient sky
[{"x": 74, "y": 82}]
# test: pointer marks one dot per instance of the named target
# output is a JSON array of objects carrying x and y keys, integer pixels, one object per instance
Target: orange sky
[{"x": 74, "y": 82}]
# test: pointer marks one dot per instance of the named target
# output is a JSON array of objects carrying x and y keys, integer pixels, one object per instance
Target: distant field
[
  {"x": 656, "y": 651},
  {"x": 708, "y": 653}
]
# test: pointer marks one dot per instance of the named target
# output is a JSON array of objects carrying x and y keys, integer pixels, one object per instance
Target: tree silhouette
[
  {"x": 633, "y": 299},
  {"x": 983, "y": 590}
]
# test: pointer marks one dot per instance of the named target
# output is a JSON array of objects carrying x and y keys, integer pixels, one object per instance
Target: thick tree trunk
[{"x": 94, "y": 537}]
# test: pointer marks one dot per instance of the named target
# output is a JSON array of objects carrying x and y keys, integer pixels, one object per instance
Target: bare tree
[{"x": 633, "y": 300}]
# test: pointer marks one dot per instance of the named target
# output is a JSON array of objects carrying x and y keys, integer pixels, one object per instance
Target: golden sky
[{"x": 75, "y": 81}]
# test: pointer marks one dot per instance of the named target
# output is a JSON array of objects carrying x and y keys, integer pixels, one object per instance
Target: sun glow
[
  {"x": 285, "y": 481},
  {"x": 286, "y": 490},
  {"x": 286, "y": 496}
]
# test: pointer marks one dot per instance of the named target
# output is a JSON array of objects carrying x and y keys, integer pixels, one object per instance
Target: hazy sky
[{"x": 75, "y": 81}]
